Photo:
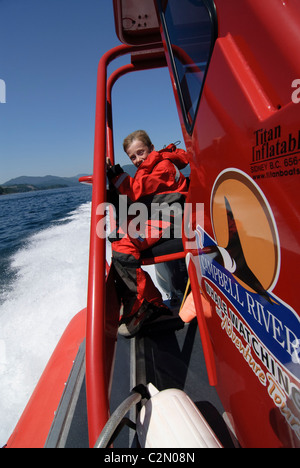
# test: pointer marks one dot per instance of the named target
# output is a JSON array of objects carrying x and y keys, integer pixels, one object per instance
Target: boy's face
[{"x": 138, "y": 152}]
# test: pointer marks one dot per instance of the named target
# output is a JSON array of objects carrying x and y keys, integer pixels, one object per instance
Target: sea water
[{"x": 44, "y": 247}]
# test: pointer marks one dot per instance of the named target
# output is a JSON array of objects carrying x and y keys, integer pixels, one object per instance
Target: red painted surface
[
  {"x": 245, "y": 108},
  {"x": 34, "y": 425}
]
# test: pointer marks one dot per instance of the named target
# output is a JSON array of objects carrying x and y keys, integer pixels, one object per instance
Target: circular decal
[{"x": 244, "y": 226}]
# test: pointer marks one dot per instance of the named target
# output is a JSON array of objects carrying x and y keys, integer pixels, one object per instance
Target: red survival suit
[{"x": 157, "y": 180}]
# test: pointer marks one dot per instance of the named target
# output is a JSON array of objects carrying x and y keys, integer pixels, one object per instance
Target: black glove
[{"x": 114, "y": 171}]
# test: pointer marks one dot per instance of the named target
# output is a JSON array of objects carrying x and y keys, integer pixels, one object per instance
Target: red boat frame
[{"x": 234, "y": 124}]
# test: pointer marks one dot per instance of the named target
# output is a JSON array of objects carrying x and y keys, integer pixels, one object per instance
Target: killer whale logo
[
  {"x": 245, "y": 233},
  {"x": 232, "y": 256}
]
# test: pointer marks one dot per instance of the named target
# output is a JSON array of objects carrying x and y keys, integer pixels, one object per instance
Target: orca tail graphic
[{"x": 235, "y": 250}]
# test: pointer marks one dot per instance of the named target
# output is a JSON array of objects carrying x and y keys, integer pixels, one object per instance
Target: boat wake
[{"x": 49, "y": 288}]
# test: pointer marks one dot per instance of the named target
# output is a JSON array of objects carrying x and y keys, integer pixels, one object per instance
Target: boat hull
[{"x": 34, "y": 425}]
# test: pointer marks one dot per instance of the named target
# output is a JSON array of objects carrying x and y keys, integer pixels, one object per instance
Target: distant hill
[
  {"x": 31, "y": 183},
  {"x": 47, "y": 180}
]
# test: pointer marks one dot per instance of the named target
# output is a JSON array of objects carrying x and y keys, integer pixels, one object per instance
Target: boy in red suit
[{"x": 157, "y": 180}]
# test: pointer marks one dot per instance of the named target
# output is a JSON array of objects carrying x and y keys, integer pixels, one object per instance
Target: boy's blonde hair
[{"x": 140, "y": 135}]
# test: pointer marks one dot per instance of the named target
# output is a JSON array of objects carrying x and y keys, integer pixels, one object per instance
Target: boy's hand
[
  {"x": 108, "y": 163},
  {"x": 113, "y": 171}
]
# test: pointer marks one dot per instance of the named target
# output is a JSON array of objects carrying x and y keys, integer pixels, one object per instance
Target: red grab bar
[
  {"x": 97, "y": 374},
  {"x": 96, "y": 378}
]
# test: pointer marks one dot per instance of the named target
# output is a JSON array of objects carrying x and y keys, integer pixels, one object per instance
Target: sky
[{"x": 49, "y": 55}]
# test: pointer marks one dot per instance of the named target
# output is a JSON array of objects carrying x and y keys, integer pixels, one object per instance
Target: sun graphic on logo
[{"x": 245, "y": 228}]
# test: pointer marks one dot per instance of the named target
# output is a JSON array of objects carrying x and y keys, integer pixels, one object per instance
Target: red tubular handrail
[
  {"x": 128, "y": 68},
  {"x": 96, "y": 379},
  {"x": 96, "y": 372},
  {"x": 111, "y": 81},
  {"x": 163, "y": 258}
]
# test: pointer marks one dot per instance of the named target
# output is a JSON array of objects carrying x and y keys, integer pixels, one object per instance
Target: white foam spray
[{"x": 49, "y": 289}]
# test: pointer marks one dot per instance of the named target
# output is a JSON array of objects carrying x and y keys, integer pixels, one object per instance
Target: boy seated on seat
[{"x": 157, "y": 180}]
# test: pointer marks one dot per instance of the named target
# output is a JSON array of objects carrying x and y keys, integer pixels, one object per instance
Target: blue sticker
[{"x": 274, "y": 323}]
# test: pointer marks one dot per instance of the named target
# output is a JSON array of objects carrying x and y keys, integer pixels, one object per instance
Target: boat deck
[{"x": 167, "y": 357}]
